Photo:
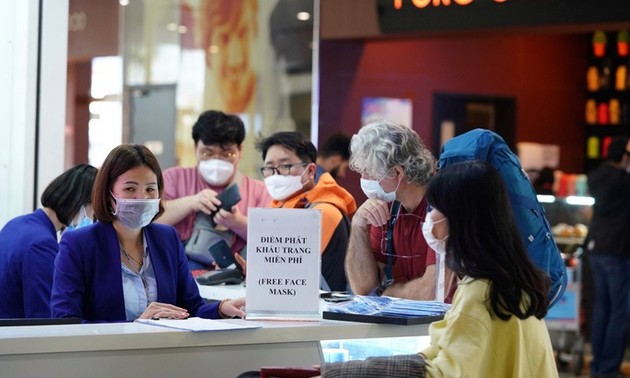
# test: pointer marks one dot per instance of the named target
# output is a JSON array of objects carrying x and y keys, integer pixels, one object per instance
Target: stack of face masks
[{"x": 386, "y": 306}]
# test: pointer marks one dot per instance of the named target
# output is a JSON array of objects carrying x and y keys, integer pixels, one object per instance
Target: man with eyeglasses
[
  {"x": 289, "y": 171},
  {"x": 388, "y": 253},
  {"x": 190, "y": 193}
]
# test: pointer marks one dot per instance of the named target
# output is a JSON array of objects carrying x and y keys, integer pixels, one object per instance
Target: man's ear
[
  {"x": 312, "y": 168},
  {"x": 399, "y": 172}
]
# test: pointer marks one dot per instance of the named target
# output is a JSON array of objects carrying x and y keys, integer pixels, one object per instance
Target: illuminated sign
[
  {"x": 425, "y": 3},
  {"x": 404, "y": 16}
]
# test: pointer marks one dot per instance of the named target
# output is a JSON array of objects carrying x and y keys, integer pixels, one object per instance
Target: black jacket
[{"x": 610, "y": 229}]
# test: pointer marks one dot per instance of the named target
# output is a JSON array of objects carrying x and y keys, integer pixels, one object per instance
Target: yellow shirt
[{"x": 468, "y": 342}]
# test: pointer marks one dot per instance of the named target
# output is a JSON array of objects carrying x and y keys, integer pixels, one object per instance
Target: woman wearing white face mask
[
  {"x": 495, "y": 327},
  {"x": 28, "y": 244},
  {"x": 388, "y": 254},
  {"x": 125, "y": 267}
]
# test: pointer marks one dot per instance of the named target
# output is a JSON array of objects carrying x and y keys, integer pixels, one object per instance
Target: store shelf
[{"x": 601, "y": 74}]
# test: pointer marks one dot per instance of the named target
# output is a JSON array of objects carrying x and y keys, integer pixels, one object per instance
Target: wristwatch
[{"x": 381, "y": 288}]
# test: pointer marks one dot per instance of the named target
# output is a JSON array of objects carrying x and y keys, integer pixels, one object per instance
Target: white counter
[{"x": 138, "y": 350}]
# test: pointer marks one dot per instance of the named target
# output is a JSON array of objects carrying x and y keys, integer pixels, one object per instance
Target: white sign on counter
[{"x": 283, "y": 263}]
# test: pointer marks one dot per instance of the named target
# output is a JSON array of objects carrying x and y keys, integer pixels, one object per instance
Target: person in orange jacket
[{"x": 289, "y": 170}]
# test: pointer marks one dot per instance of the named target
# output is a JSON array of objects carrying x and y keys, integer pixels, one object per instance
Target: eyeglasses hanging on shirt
[{"x": 404, "y": 219}]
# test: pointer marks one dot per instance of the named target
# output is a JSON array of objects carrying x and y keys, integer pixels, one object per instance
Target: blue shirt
[
  {"x": 139, "y": 289},
  {"x": 28, "y": 246}
]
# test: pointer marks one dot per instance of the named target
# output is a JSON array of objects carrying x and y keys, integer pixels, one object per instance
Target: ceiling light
[
  {"x": 124, "y": 3},
  {"x": 303, "y": 16}
]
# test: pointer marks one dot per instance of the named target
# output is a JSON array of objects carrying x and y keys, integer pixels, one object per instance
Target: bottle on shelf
[
  {"x": 615, "y": 111},
  {"x": 591, "y": 112},
  {"x": 592, "y": 147},
  {"x": 623, "y": 39},
  {"x": 621, "y": 78},
  {"x": 605, "y": 144},
  {"x": 592, "y": 79},
  {"x": 602, "y": 113},
  {"x": 599, "y": 43}
]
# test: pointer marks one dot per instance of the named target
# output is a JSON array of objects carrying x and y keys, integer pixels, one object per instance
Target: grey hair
[{"x": 381, "y": 145}]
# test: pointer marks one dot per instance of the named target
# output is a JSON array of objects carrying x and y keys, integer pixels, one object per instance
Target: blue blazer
[
  {"x": 87, "y": 281},
  {"x": 28, "y": 246}
]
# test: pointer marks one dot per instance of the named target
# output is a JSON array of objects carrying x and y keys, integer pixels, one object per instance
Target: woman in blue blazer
[
  {"x": 28, "y": 243},
  {"x": 125, "y": 267}
]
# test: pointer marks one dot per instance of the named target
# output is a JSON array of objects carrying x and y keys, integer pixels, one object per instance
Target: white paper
[
  {"x": 197, "y": 324},
  {"x": 283, "y": 264}
]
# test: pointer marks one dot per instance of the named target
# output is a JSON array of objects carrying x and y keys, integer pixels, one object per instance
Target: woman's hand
[
  {"x": 232, "y": 307},
  {"x": 164, "y": 310}
]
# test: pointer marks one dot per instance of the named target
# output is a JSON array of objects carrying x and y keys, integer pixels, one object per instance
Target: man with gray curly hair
[{"x": 387, "y": 253}]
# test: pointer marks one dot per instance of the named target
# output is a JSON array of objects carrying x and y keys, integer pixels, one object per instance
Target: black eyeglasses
[{"x": 283, "y": 169}]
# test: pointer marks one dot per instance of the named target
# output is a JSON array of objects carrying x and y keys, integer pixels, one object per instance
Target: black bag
[{"x": 205, "y": 236}]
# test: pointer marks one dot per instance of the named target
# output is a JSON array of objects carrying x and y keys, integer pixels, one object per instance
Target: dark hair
[
  {"x": 216, "y": 127},
  {"x": 336, "y": 144},
  {"x": 69, "y": 191},
  {"x": 291, "y": 140},
  {"x": 120, "y": 160},
  {"x": 484, "y": 241},
  {"x": 616, "y": 149}
]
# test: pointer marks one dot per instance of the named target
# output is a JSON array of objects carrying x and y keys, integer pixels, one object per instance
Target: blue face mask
[{"x": 82, "y": 220}]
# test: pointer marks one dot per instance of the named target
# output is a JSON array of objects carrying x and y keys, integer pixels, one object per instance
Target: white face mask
[
  {"x": 438, "y": 245},
  {"x": 136, "y": 213},
  {"x": 282, "y": 187},
  {"x": 373, "y": 189},
  {"x": 216, "y": 171}
]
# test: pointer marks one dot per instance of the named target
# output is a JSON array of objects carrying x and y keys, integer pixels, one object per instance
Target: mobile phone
[
  {"x": 229, "y": 197},
  {"x": 222, "y": 254}
]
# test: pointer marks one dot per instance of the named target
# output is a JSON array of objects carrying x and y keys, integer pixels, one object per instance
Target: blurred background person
[
  {"x": 124, "y": 266},
  {"x": 190, "y": 193},
  {"x": 608, "y": 249},
  {"x": 28, "y": 243},
  {"x": 334, "y": 156}
]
